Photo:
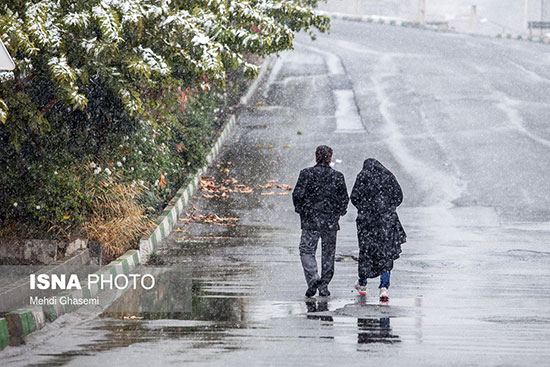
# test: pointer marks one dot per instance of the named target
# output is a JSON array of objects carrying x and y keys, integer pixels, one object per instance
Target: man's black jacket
[{"x": 320, "y": 197}]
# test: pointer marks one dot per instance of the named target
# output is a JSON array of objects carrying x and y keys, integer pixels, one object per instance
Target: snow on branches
[{"x": 137, "y": 45}]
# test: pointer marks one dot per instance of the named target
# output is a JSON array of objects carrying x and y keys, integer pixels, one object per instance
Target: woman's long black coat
[{"x": 376, "y": 195}]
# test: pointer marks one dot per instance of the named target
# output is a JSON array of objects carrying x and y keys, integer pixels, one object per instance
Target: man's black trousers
[{"x": 308, "y": 247}]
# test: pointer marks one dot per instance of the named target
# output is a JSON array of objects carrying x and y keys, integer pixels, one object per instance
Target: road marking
[
  {"x": 273, "y": 75},
  {"x": 348, "y": 119},
  {"x": 333, "y": 61}
]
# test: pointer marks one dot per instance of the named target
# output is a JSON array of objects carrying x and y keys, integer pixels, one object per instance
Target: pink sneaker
[
  {"x": 384, "y": 296},
  {"x": 361, "y": 289}
]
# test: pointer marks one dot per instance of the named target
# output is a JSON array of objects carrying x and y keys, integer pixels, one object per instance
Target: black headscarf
[{"x": 376, "y": 190}]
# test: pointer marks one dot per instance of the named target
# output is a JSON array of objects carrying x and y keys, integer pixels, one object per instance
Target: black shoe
[
  {"x": 323, "y": 292},
  {"x": 312, "y": 290}
]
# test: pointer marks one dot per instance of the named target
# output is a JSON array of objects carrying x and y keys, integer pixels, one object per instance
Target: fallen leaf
[
  {"x": 223, "y": 189},
  {"x": 162, "y": 182},
  {"x": 282, "y": 193},
  {"x": 287, "y": 146},
  {"x": 259, "y": 146},
  {"x": 210, "y": 219},
  {"x": 191, "y": 238}
]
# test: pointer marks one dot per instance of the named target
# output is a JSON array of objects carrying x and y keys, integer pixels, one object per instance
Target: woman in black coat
[{"x": 376, "y": 195}]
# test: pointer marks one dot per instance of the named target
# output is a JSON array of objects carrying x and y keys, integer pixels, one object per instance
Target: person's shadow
[{"x": 372, "y": 331}]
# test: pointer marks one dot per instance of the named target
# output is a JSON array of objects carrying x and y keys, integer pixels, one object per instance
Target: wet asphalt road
[{"x": 462, "y": 122}]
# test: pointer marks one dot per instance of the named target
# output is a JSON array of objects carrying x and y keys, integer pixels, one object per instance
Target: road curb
[
  {"x": 20, "y": 323},
  {"x": 4, "y": 334},
  {"x": 169, "y": 216},
  {"x": 365, "y": 18},
  {"x": 18, "y": 293}
]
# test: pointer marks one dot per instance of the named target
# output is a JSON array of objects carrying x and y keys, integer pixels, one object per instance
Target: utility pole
[
  {"x": 541, "y": 15},
  {"x": 526, "y": 16},
  {"x": 473, "y": 19},
  {"x": 422, "y": 11}
]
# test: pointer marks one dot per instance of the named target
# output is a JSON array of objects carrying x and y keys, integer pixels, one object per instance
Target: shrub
[
  {"x": 117, "y": 218},
  {"x": 97, "y": 96}
]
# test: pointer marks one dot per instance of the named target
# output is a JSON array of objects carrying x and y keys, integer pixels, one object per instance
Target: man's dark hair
[{"x": 323, "y": 154}]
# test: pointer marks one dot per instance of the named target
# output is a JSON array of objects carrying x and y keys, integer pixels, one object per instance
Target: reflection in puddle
[
  {"x": 202, "y": 305},
  {"x": 315, "y": 306},
  {"x": 318, "y": 310},
  {"x": 116, "y": 334},
  {"x": 205, "y": 323},
  {"x": 372, "y": 331}
]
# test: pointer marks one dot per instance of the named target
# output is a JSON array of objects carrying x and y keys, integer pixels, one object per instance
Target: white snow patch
[
  {"x": 442, "y": 188},
  {"x": 507, "y": 106},
  {"x": 530, "y": 226},
  {"x": 531, "y": 74},
  {"x": 358, "y": 48},
  {"x": 474, "y": 216}
]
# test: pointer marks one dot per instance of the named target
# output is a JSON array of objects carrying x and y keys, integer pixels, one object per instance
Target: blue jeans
[{"x": 384, "y": 280}]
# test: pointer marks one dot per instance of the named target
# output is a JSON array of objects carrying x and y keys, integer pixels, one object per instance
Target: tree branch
[{"x": 49, "y": 106}]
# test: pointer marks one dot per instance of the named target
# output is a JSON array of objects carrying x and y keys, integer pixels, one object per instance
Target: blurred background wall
[{"x": 488, "y": 17}]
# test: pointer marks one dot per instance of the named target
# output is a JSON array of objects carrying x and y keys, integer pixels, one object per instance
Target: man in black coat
[{"x": 321, "y": 198}]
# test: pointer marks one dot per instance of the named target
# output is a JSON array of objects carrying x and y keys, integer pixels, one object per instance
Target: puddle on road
[
  {"x": 124, "y": 334},
  {"x": 203, "y": 320},
  {"x": 372, "y": 321},
  {"x": 372, "y": 331}
]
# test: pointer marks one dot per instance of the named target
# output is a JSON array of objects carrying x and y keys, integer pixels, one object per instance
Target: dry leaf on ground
[
  {"x": 193, "y": 217},
  {"x": 223, "y": 189}
]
